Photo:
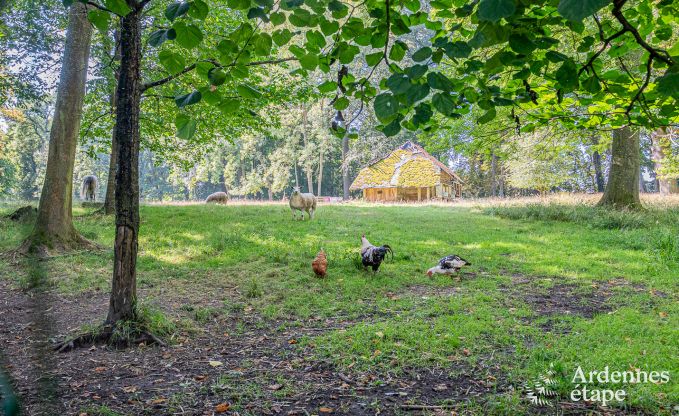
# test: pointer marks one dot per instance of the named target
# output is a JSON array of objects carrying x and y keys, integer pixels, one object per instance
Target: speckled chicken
[
  {"x": 320, "y": 264},
  {"x": 372, "y": 255}
]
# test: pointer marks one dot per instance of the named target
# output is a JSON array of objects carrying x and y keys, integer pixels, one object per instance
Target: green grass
[{"x": 239, "y": 257}]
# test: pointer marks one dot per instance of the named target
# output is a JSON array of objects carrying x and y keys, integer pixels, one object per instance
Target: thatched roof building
[{"x": 409, "y": 173}]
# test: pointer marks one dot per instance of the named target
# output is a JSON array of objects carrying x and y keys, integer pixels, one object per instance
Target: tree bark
[
  {"x": 124, "y": 285},
  {"x": 493, "y": 175},
  {"x": 320, "y": 172},
  {"x": 345, "y": 168},
  {"x": 109, "y": 200},
  {"x": 54, "y": 228},
  {"x": 622, "y": 189},
  {"x": 666, "y": 186}
]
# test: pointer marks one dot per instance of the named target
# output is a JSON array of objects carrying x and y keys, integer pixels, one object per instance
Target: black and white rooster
[
  {"x": 448, "y": 265},
  {"x": 372, "y": 255}
]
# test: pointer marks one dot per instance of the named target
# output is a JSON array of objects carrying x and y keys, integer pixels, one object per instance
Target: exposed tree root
[
  {"x": 109, "y": 335},
  {"x": 23, "y": 214},
  {"x": 45, "y": 248}
]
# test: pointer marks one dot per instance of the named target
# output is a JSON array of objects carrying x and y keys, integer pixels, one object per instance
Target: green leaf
[
  {"x": 216, "y": 76},
  {"x": 567, "y": 75},
  {"x": 188, "y": 36},
  {"x": 309, "y": 61},
  {"x": 398, "y": 83},
  {"x": 316, "y": 40},
  {"x": 263, "y": 44},
  {"x": 329, "y": 27},
  {"x": 281, "y": 37},
  {"x": 488, "y": 116},
  {"x": 210, "y": 95},
  {"x": 439, "y": 81},
  {"x": 554, "y": 56},
  {"x": 374, "y": 58},
  {"x": 341, "y": 103},
  {"x": 277, "y": 18},
  {"x": 592, "y": 85},
  {"x": 443, "y": 103},
  {"x": 246, "y": 91},
  {"x": 258, "y": 12},
  {"x": 392, "y": 129},
  {"x": 520, "y": 43},
  {"x": 229, "y": 105},
  {"x": 100, "y": 19},
  {"x": 118, "y": 7},
  {"x": 576, "y": 10},
  {"x": 186, "y": 127},
  {"x": 327, "y": 86},
  {"x": 422, "y": 54},
  {"x": 457, "y": 49},
  {"x": 171, "y": 61},
  {"x": 199, "y": 9},
  {"x": 423, "y": 113},
  {"x": 668, "y": 84},
  {"x": 470, "y": 94},
  {"x": 158, "y": 37},
  {"x": 188, "y": 99},
  {"x": 494, "y": 10},
  {"x": 176, "y": 9},
  {"x": 416, "y": 92},
  {"x": 239, "y": 4},
  {"x": 416, "y": 71},
  {"x": 385, "y": 106},
  {"x": 398, "y": 51}
]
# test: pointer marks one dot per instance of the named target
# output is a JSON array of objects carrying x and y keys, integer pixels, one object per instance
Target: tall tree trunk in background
[
  {"x": 493, "y": 174},
  {"x": 320, "y": 171},
  {"x": 54, "y": 228},
  {"x": 622, "y": 189},
  {"x": 345, "y": 168},
  {"x": 109, "y": 200},
  {"x": 124, "y": 286},
  {"x": 598, "y": 172},
  {"x": 666, "y": 186}
]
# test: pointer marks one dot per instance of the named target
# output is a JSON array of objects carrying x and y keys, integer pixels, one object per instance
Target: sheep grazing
[
  {"x": 217, "y": 198},
  {"x": 302, "y": 202},
  {"x": 88, "y": 191}
]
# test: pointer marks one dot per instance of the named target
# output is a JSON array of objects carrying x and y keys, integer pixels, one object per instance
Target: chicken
[
  {"x": 448, "y": 265},
  {"x": 320, "y": 264},
  {"x": 372, "y": 255}
]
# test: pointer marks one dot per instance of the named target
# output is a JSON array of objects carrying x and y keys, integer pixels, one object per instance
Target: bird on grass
[
  {"x": 372, "y": 255},
  {"x": 320, "y": 264},
  {"x": 448, "y": 265}
]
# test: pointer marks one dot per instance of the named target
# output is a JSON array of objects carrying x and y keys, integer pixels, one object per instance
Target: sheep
[
  {"x": 302, "y": 202},
  {"x": 217, "y": 198},
  {"x": 88, "y": 191}
]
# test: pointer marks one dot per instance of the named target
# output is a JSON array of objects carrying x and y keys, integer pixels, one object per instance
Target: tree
[
  {"x": 622, "y": 189},
  {"x": 54, "y": 228}
]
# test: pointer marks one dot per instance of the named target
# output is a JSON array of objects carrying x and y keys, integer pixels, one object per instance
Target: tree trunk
[
  {"x": 622, "y": 189},
  {"x": 493, "y": 175},
  {"x": 345, "y": 168},
  {"x": 54, "y": 228},
  {"x": 598, "y": 172},
  {"x": 666, "y": 186},
  {"x": 109, "y": 200},
  {"x": 320, "y": 172},
  {"x": 124, "y": 286}
]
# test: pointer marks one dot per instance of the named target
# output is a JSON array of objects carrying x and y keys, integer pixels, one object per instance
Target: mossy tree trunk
[
  {"x": 346, "y": 183},
  {"x": 54, "y": 228},
  {"x": 622, "y": 189},
  {"x": 122, "y": 304}
]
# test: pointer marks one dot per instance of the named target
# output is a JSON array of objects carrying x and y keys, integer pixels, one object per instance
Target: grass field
[{"x": 562, "y": 285}]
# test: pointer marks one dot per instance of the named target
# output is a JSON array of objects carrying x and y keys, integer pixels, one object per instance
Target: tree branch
[
  {"x": 627, "y": 26},
  {"x": 167, "y": 79},
  {"x": 100, "y": 7}
]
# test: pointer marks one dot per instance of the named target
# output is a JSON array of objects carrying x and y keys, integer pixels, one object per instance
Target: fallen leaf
[
  {"x": 379, "y": 334},
  {"x": 100, "y": 369},
  {"x": 222, "y": 407},
  {"x": 275, "y": 387},
  {"x": 216, "y": 363},
  {"x": 130, "y": 389},
  {"x": 440, "y": 387},
  {"x": 466, "y": 352},
  {"x": 200, "y": 377},
  {"x": 326, "y": 410},
  {"x": 292, "y": 341},
  {"x": 662, "y": 314},
  {"x": 167, "y": 355},
  {"x": 159, "y": 400}
]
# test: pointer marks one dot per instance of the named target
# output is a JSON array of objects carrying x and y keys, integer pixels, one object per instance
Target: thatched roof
[{"x": 408, "y": 166}]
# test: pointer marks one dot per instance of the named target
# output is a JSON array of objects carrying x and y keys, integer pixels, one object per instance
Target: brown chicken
[{"x": 320, "y": 264}]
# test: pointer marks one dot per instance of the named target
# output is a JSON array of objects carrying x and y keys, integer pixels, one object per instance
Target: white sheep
[
  {"x": 218, "y": 198},
  {"x": 302, "y": 202}
]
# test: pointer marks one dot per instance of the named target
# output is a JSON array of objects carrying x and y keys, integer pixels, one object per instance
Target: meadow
[{"x": 230, "y": 288}]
